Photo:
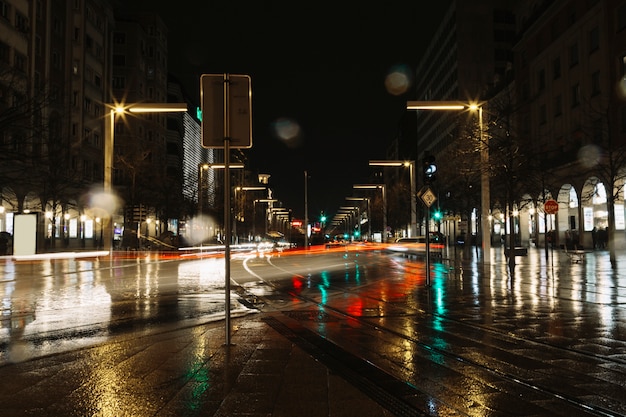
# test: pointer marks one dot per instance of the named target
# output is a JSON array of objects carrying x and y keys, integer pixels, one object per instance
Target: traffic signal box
[{"x": 429, "y": 168}]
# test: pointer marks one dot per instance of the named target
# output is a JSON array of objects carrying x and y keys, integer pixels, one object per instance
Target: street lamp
[
  {"x": 109, "y": 143},
  {"x": 266, "y": 217},
  {"x": 240, "y": 206},
  {"x": 369, "y": 221},
  {"x": 201, "y": 169},
  {"x": 350, "y": 209},
  {"x": 484, "y": 159},
  {"x": 383, "y": 189},
  {"x": 411, "y": 165}
]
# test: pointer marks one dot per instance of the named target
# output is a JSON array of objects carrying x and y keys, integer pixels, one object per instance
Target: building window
[
  {"x": 575, "y": 95},
  {"x": 119, "y": 60},
  {"x": 56, "y": 60},
  {"x": 621, "y": 17},
  {"x": 573, "y": 55},
  {"x": 558, "y": 105},
  {"x": 4, "y": 10},
  {"x": 541, "y": 79},
  {"x": 119, "y": 38},
  {"x": 556, "y": 68},
  {"x": 542, "y": 114},
  {"x": 21, "y": 22},
  {"x": 4, "y": 52},
  {"x": 594, "y": 39},
  {"x": 595, "y": 83},
  {"x": 597, "y": 130},
  {"x": 119, "y": 82},
  {"x": 20, "y": 62}
]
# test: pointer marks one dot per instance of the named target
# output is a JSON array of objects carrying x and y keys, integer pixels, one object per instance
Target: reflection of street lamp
[
  {"x": 83, "y": 218},
  {"x": 411, "y": 165},
  {"x": 109, "y": 143},
  {"x": 99, "y": 223},
  {"x": 384, "y": 194},
  {"x": 484, "y": 159}
]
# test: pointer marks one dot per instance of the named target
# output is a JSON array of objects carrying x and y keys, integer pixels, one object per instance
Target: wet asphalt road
[{"x": 549, "y": 339}]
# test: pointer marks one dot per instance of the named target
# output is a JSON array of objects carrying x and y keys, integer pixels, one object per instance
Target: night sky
[{"x": 321, "y": 98}]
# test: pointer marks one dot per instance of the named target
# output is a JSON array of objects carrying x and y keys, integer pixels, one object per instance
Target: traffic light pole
[{"x": 427, "y": 273}]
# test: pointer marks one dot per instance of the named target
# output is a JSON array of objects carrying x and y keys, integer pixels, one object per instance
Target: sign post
[
  {"x": 428, "y": 198},
  {"x": 226, "y": 122}
]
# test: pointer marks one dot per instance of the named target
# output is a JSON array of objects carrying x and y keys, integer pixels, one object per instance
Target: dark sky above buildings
[{"x": 321, "y": 96}]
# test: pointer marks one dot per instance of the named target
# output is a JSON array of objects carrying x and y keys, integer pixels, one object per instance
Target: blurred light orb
[
  {"x": 398, "y": 80},
  {"x": 589, "y": 156},
  {"x": 288, "y": 131},
  {"x": 201, "y": 229},
  {"x": 103, "y": 204}
]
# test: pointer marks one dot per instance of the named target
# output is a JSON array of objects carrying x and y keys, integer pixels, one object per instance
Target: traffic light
[
  {"x": 430, "y": 168},
  {"x": 437, "y": 215}
]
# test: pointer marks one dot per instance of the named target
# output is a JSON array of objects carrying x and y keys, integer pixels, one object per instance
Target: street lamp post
[
  {"x": 242, "y": 207},
  {"x": 411, "y": 165},
  {"x": 204, "y": 167},
  {"x": 109, "y": 143},
  {"x": 369, "y": 221},
  {"x": 350, "y": 209},
  {"x": 269, "y": 201},
  {"x": 383, "y": 189},
  {"x": 484, "y": 158}
]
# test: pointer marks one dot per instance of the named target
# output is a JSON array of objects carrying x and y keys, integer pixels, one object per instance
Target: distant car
[{"x": 417, "y": 245}]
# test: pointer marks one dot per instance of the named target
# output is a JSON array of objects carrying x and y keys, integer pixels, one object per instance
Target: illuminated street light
[
  {"x": 383, "y": 189},
  {"x": 109, "y": 143},
  {"x": 201, "y": 169},
  {"x": 266, "y": 217},
  {"x": 240, "y": 206},
  {"x": 484, "y": 158},
  {"x": 358, "y": 216},
  {"x": 369, "y": 221},
  {"x": 411, "y": 165}
]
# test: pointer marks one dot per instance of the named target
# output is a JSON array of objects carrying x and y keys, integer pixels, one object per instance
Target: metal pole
[
  {"x": 413, "y": 200},
  {"x": 427, "y": 246},
  {"x": 484, "y": 187},
  {"x": 107, "y": 219},
  {"x": 227, "y": 209},
  {"x": 384, "y": 213},
  {"x": 306, "y": 212}
]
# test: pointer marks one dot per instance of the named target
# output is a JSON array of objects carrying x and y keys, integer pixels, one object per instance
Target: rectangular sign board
[
  {"x": 25, "y": 234},
  {"x": 226, "y": 101}
]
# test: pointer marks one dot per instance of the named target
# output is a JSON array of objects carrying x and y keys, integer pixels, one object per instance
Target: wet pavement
[{"x": 547, "y": 340}]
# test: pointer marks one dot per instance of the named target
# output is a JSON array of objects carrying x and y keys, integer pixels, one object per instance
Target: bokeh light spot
[
  {"x": 288, "y": 131},
  {"x": 589, "y": 156},
  {"x": 398, "y": 80}
]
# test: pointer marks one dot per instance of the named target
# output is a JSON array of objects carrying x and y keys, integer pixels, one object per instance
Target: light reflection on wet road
[
  {"x": 53, "y": 305},
  {"x": 465, "y": 342}
]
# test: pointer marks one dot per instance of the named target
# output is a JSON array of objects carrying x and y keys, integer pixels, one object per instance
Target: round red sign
[{"x": 551, "y": 207}]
